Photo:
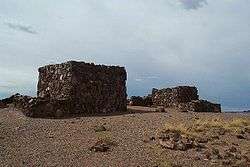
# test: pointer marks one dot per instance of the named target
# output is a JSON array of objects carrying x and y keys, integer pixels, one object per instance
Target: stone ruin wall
[
  {"x": 199, "y": 106},
  {"x": 55, "y": 81},
  {"x": 99, "y": 88},
  {"x": 171, "y": 97},
  {"x": 183, "y": 98},
  {"x": 82, "y": 88}
]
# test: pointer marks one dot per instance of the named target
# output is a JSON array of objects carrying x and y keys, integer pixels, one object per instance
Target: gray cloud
[
  {"x": 193, "y": 4},
  {"x": 208, "y": 48},
  {"x": 20, "y": 27}
]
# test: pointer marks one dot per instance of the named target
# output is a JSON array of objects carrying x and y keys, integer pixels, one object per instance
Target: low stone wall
[
  {"x": 42, "y": 108},
  {"x": 171, "y": 97},
  {"x": 141, "y": 101},
  {"x": 199, "y": 106},
  {"x": 85, "y": 88}
]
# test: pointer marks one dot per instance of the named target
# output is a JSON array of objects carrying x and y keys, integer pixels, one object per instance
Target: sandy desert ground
[{"x": 134, "y": 136}]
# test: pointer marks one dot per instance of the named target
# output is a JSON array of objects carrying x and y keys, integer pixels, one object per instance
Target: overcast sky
[{"x": 161, "y": 43}]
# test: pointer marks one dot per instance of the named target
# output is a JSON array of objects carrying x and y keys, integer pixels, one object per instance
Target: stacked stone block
[
  {"x": 183, "y": 98},
  {"x": 81, "y": 88},
  {"x": 171, "y": 97}
]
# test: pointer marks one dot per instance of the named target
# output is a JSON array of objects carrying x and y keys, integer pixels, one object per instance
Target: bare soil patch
[{"x": 129, "y": 139}]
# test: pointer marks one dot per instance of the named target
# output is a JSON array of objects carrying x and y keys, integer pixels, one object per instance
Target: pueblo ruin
[
  {"x": 87, "y": 88},
  {"x": 182, "y": 98},
  {"x": 79, "y": 88},
  {"x": 75, "y": 88}
]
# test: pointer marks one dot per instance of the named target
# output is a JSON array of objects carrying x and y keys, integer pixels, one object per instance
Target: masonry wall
[
  {"x": 55, "y": 81},
  {"x": 199, "y": 106},
  {"x": 171, "y": 97},
  {"x": 86, "y": 88}
]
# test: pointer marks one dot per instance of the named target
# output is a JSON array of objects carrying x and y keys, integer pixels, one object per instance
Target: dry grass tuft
[
  {"x": 105, "y": 136},
  {"x": 168, "y": 163},
  {"x": 239, "y": 123},
  {"x": 205, "y": 125}
]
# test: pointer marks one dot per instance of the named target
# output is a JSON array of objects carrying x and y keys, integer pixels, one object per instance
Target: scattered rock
[
  {"x": 214, "y": 161},
  {"x": 3, "y": 105},
  {"x": 220, "y": 143},
  {"x": 167, "y": 144},
  {"x": 227, "y": 162},
  {"x": 170, "y": 135},
  {"x": 171, "y": 139},
  {"x": 102, "y": 146},
  {"x": 242, "y": 163},
  {"x": 160, "y": 109},
  {"x": 240, "y": 136},
  {"x": 152, "y": 138},
  {"x": 215, "y": 137},
  {"x": 219, "y": 131},
  {"x": 182, "y": 146},
  {"x": 232, "y": 149},
  {"x": 197, "y": 158},
  {"x": 148, "y": 139},
  {"x": 202, "y": 140},
  {"x": 199, "y": 146},
  {"x": 207, "y": 155},
  {"x": 215, "y": 151},
  {"x": 235, "y": 144},
  {"x": 215, "y": 154},
  {"x": 196, "y": 118},
  {"x": 247, "y": 129}
]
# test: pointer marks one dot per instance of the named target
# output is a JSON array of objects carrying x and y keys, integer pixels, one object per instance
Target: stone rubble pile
[
  {"x": 203, "y": 148},
  {"x": 3, "y": 105},
  {"x": 172, "y": 139},
  {"x": 10, "y": 100}
]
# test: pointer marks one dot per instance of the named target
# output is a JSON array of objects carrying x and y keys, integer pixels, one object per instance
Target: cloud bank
[{"x": 161, "y": 43}]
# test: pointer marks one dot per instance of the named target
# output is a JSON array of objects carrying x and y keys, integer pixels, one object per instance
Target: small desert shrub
[
  {"x": 100, "y": 128},
  {"x": 181, "y": 128},
  {"x": 105, "y": 142},
  {"x": 105, "y": 135}
]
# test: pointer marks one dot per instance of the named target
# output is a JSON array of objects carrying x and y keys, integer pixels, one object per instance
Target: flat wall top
[
  {"x": 173, "y": 88},
  {"x": 79, "y": 63}
]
